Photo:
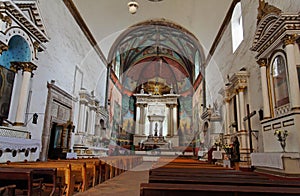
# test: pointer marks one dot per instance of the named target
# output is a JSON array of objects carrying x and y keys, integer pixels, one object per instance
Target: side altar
[{"x": 156, "y": 120}]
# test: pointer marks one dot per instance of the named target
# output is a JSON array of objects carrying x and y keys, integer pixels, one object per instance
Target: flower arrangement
[
  {"x": 281, "y": 137},
  {"x": 281, "y": 134}
]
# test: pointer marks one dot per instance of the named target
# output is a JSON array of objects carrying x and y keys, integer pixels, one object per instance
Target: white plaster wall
[
  {"x": 67, "y": 48},
  {"x": 224, "y": 62}
]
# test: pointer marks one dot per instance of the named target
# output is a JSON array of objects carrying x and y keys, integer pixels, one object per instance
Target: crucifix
[{"x": 248, "y": 117}]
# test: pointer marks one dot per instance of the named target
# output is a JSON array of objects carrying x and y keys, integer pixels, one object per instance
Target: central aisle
[{"x": 126, "y": 184}]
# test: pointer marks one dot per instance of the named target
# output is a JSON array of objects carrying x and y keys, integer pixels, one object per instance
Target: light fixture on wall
[{"x": 133, "y": 5}]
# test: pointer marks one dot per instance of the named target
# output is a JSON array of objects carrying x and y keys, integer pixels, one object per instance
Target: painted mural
[
  {"x": 128, "y": 114},
  {"x": 6, "y": 86},
  {"x": 185, "y": 130}
]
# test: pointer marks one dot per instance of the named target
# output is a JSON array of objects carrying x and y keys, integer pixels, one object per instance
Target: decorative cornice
[
  {"x": 237, "y": 82},
  {"x": 13, "y": 11},
  {"x": 272, "y": 29},
  {"x": 265, "y": 9}
]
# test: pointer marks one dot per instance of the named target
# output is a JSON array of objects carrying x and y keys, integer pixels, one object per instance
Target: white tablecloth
[
  {"x": 271, "y": 159},
  {"x": 217, "y": 155},
  {"x": 14, "y": 143}
]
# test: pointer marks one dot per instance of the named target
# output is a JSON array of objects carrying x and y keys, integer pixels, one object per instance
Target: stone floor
[{"x": 126, "y": 184}]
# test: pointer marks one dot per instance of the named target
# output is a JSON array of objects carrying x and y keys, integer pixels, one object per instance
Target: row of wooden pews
[
  {"x": 187, "y": 176},
  {"x": 76, "y": 175}
]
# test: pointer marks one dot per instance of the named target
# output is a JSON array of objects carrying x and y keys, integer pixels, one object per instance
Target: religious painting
[
  {"x": 185, "y": 130},
  {"x": 6, "y": 87},
  {"x": 128, "y": 113}
]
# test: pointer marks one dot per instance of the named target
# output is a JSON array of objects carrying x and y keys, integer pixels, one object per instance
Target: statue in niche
[{"x": 155, "y": 130}]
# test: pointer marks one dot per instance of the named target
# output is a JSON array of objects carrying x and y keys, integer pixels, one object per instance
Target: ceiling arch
[{"x": 156, "y": 50}]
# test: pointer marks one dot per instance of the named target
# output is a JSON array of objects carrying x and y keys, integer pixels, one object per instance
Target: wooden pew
[
  {"x": 166, "y": 189},
  {"x": 92, "y": 168},
  {"x": 78, "y": 171},
  {"x": 65, "y": 178},
  {"x": 187, "y": 177},
  {"x": 8, "y": 190}
]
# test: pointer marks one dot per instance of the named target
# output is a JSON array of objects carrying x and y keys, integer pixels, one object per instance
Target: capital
[
  {"x": 290, "y": 39},
  {"x": 262, "y": 62}
]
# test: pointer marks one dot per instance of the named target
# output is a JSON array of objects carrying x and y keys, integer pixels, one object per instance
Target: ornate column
[
  {"x": 142, "y": 119},
  {"x": 82, "y": 111},
  {"x": 238, "y": 112},
  {"x": 294, "y": 91},
  {"x": 227, "y": 106},
  {"x": 175, "y": 129},
  {"x": 151, "y": 128},
  {"x": 137, "y": 122},
  {"x": 160, "y": 128},
  {"x": 264, "y": 86},
  {"x": 170, "y": 120},
  {"x": 14, "y": 98},
  {"x": 27, "y": 68},
  {"x": 242, "y": 106},
  {"x": 92, "y": 118}
]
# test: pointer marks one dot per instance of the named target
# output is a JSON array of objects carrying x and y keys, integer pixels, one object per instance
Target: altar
[
  {"x": 276, "y": 162},
  {"x": 156, "y": 120}
]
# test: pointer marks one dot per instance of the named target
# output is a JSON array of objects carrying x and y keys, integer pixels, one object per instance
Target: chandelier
[{"x": 133, "y": 5}]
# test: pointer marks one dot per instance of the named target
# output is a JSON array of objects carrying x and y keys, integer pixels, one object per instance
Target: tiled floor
[{"x": 126, "y": 184}]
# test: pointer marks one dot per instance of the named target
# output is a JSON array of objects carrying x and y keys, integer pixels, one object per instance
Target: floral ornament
[
  {"x": 281, "y": 134},
  {"x": 281, "y": 137}
]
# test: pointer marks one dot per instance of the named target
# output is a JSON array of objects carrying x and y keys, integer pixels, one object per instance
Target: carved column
[
  {"x": 160, "y": 128},
  {"x": 82, "y": 112},
  {"x": 227, "y": 106},
  {"x": 170, "y": 120},
  {"x": 14, "y": 98},
  {"x": 264, "y": 85},
  {"x": 92, "y": 118},
  {"x": 137, "y": 122},
  {"x": 238, "y": 112},
  {"x": 242, "y": 106},
  {"x": 175, "y": 129},
  {"x": 142, "y": 119},
  {"x": 27, "y": 68},
  {"x": 290, "y": 41},
  {"x": 151, "y": 128}
]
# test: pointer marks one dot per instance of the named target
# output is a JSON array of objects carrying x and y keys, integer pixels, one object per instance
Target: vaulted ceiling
[
  {"x": 106, "y": 19},
  {"x": 158, "y": 44}
]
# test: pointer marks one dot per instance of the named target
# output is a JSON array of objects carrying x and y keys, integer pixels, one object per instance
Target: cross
[{"x": 248, "y": 117}]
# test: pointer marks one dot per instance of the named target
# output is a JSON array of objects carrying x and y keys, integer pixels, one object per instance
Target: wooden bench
[
  {"x": 8, "y": 190},
  {"x": 166, "y": 189},
  {"x": 64, "y": 180},
  {"x": 18, "y": 176}
]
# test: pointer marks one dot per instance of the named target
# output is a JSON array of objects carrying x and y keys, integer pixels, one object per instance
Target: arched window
[
  {"x": 237, "y": 27},
  {"x": 197, "y": 64},
  {"x": 279, "y": 79}
]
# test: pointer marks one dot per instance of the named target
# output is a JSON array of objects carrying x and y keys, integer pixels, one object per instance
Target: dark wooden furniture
[{"x": 33, "y": 178}]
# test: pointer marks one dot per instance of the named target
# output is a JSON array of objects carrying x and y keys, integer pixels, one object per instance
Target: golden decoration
[
  {"x": 265, "y": 9},
  {"x": 262, "y": 62},
  {"x": 290, "y": 39}
]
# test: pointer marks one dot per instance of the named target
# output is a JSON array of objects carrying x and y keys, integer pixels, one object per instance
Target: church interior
[{"x": 192, "y": 90}]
